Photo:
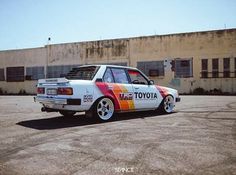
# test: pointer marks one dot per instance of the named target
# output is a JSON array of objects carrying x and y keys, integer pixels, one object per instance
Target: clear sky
[{"x": 29, "y": 23}]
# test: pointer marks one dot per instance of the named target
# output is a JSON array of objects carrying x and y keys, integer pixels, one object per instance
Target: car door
[
  {"x": 145, "y": 94},
  {"x": 121, "y": 89}
]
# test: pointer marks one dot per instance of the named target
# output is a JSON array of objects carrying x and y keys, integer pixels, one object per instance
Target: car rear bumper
[
  {"x": 55, "y": 100},
  {"x": 57, "y": 104}
]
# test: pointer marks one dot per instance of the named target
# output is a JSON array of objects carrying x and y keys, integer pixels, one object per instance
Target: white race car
[{"x": 102, "y": 90}]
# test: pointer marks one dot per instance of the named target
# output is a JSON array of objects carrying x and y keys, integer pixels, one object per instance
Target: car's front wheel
[
  {"x": 67, "y": 113},
  {"x": 104, "y": 109},
  {"x": 168, "y": 104}
]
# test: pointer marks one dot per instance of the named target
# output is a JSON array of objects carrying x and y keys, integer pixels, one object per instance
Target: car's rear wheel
[
  {"x": 104, "y": 109},
  {"x": 67, "y": 113},
  {"x": 168, "y": 104}
]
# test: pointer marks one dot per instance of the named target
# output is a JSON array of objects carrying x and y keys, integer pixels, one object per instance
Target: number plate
[{"x": 51, "y": 91}]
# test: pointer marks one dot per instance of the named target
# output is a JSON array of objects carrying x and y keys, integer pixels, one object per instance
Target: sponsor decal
[
  {"x": 145, "y": 95},
  {"x": 88, "y": 98},
  {"x": 126, "y": 96}
]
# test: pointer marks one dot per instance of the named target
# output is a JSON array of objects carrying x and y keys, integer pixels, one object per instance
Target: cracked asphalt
[{"x": 198, "y": 138}]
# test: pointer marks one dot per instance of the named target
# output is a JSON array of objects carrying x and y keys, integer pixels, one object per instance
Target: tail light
[
  {"x": 41, "y": 90},
  {"x": 65, "y": 91}
]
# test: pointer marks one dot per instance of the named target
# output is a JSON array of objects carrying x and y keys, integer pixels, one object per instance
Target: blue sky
[{"x": 29, "y": 23}]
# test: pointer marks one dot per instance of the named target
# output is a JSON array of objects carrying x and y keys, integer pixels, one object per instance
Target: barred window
[
  {"x": 226, "y": 72},
  {"x": 151, "y": 68},
  {"x": 215, "y": 68},
  {"x": 2, "y": 75},
  {"x": 183, "y": 68},
  {"x": 15, "y": 74},
  {"x": 235, "y": 67},
  {"x": 59, "y": 71},
  {"x": 34, "y": 73},
  {"x": 204, "y": 68}
]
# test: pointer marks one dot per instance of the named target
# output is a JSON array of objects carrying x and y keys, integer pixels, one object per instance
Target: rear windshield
[{"x": 82, "y": 73}]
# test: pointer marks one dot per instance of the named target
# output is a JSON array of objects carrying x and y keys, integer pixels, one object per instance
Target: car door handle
[{"x": 136, "y": 88}]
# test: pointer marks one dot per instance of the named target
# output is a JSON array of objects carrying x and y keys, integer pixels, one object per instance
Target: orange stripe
[
  {"x": 118, "y": 89},
  {"x": 130, "y": 102}
]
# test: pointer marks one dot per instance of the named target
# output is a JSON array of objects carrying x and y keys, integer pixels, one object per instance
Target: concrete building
[{"x": 184, "y": 61}]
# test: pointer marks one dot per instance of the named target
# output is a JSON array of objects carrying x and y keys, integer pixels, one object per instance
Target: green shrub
[{"x": 199, "y": 91}]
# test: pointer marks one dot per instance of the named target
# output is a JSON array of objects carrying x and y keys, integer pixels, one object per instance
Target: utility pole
[{"x": 47, "y": 57}]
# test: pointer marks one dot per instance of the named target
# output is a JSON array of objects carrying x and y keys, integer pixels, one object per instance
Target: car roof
[{"x": 108, "y": 65}]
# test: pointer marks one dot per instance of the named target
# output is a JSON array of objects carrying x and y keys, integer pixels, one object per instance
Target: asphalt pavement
[{"x": 198, "y": 138}]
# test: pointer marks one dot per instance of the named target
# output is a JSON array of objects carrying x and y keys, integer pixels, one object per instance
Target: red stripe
[
  {"x": 104, "y": 88},
  {"x": 163, "y": 91}
]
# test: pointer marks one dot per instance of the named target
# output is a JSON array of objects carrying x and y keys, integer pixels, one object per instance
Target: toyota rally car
[{"x": 102, "y": 90}]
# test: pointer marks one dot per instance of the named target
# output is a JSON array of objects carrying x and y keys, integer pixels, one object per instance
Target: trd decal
[{"x": 126, "y": 96}]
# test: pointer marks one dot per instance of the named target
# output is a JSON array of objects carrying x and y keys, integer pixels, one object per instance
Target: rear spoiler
[{"x": 53, "y": 81}]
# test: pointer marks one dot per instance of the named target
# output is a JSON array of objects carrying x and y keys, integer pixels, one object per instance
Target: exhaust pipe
[{"x": 44, "y": 109}]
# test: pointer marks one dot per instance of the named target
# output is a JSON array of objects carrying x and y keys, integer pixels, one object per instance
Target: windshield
[{"x": 82, "y": 73}]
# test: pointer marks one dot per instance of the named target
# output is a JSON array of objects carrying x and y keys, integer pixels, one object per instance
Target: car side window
[
  {"x": 108, "y": 78},
  {"x": 120, "y": 75},
  {"x": 137, "y": 78}
]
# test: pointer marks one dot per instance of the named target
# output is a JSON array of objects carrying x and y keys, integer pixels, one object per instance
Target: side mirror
[{"x": 151, "y": 82}]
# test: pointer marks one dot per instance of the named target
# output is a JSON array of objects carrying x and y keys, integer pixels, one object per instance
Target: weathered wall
[
  {"x": 197, "y": 45},
  {"x": 24, "y": 57},
  {"x": 106, "y": 51}
]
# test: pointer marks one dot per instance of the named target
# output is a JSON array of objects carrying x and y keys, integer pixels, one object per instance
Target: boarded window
[
  {"x": 183, "y": 68},
  {"x": 34, "y": 73},
  {"x": 2, "y": 75},
  {"x": 59, "y": 71},
  {"x": 215, "y": 68},
  {"x": 226, "y": 67},
  {"x": 204, "y": 68},
  {"x": 151, "y": 68},
  {"x": 15, "y": 74}
]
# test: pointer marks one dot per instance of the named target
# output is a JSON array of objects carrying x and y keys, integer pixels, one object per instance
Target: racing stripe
[
  {"x": 163, "y": 91},
  {"x": 106, "y": 91},
  {"x": 118, "y": 89},
  {"x": 113, "y": 91}
]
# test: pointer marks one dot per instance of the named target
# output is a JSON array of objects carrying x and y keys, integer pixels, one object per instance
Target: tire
[
  {"x": 67, "y": 113},
  {"x": 168, "y": 104},
  {"x": 104, "y": 109}
]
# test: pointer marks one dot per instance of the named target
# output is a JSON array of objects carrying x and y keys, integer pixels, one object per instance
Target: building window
[
  {"x": 226, "y": 67},
  {"x": 215, "y": 68},
  {"x": 204, "y": 68},
  {"x": 183, "y": 68},
  {"x": 15, "y": 74},
  {"x": 235, "y": 67},
  {"x": 151, "y": 68},
  {"x": 2, "y": 75},
  {"x": 34, "y": 73},
  {"x": 59, "y": 71}
]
